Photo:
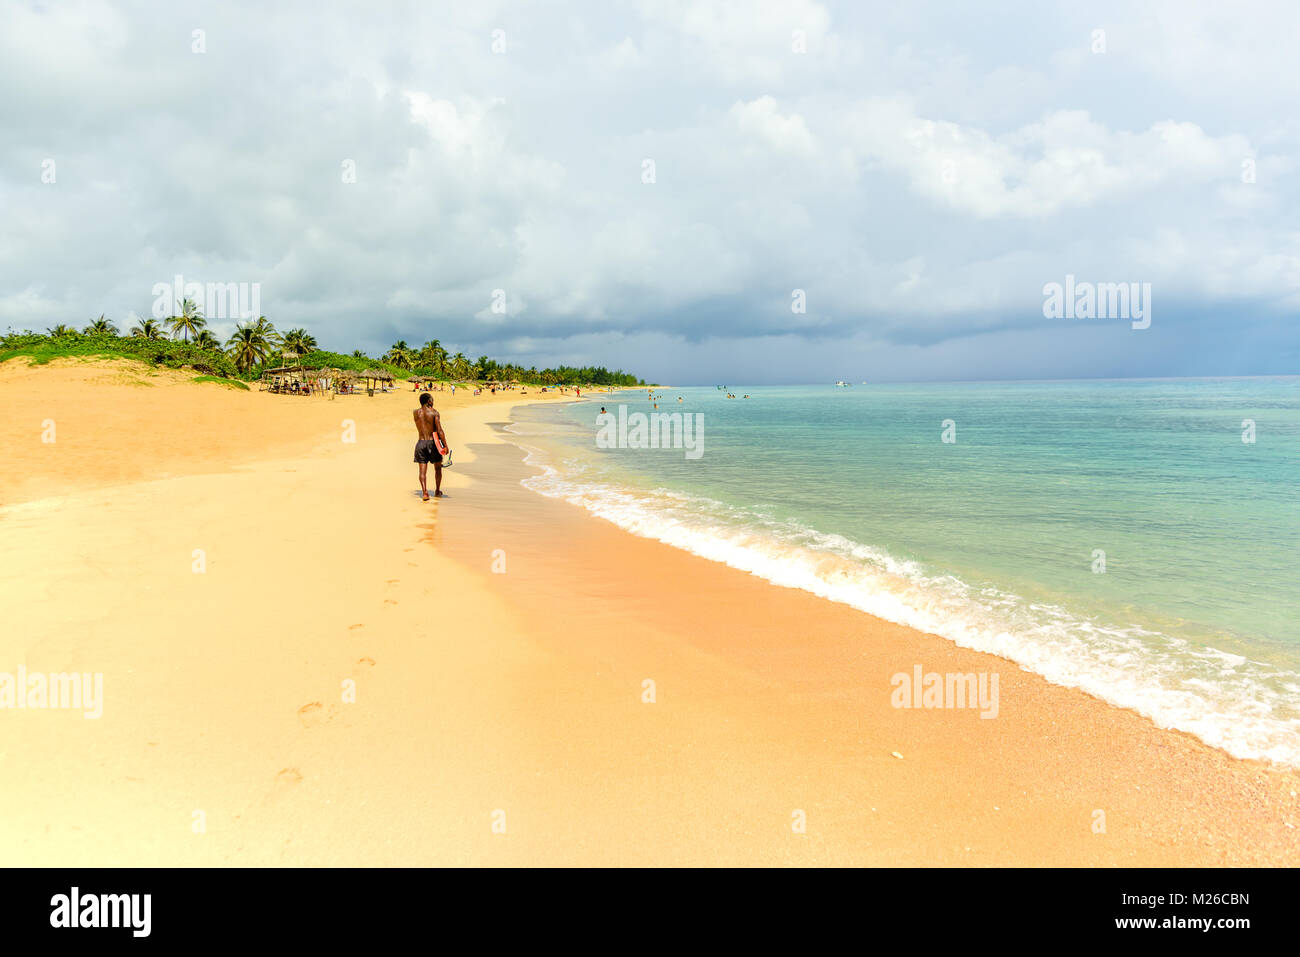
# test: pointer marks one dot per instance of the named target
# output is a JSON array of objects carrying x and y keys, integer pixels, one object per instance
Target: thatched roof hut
[{"x": 373, "y": 378}]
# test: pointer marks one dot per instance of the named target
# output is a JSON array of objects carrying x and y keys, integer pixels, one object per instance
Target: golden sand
[{"x": 305, "y": 664}]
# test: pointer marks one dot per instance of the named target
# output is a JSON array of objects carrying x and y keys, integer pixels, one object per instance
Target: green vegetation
[
  {"x": 252, "y": 344},
  {"x": 101, "y": 327},
  {"x": 146, "y": 329},
  {"x": 354, "y": 363},
  {"x": 164, "y": 352},
  {"x": 228, "y": 383},
  {"x": 434, "y": 361},
  {"x": 256, "y": 346},
  {"x": 190, "y": 322}
]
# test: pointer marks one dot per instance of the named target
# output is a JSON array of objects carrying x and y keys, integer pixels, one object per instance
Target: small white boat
[{"x": 841, "y": 384}]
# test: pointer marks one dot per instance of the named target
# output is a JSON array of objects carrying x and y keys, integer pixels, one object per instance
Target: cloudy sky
[{"x": 648, "y": 184}]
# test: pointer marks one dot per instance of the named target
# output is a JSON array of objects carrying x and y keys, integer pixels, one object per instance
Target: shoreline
[
  {"x": 816, "y": 557},
  {"x": 1112, "y": 753},
  {"x": 497, "y": 643}
]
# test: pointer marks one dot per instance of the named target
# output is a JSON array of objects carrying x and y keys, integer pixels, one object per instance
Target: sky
[{"x": 748, "y": 191}]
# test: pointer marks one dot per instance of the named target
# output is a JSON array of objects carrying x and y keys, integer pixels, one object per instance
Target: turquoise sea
[{"x": 1115, "y": 536}]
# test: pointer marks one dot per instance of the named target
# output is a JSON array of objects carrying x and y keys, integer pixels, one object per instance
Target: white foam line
[{"x": 1230, "y": 702}]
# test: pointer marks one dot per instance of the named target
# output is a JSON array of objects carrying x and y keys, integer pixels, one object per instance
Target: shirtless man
[{"x": 428, "y": 423}]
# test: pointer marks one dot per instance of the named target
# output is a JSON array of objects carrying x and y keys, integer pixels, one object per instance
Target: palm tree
[
  {"x": 358, "y": 354},
  {"x": 249, "y": 345},
  {"x": 148, "y": 329},
  {"x": 189, "y": 321},
  {"x": 101, "y": 327},
  {"x": 400, "y": 355},
  {"x": 433, "y": 356},
  {"x": 60, "y": 329},
  {"x": 300, "y": 341},
  {"x": 267, "y": 329},
  {"x": 206, "y": 340},
  {"x": 460, "y": 366}
]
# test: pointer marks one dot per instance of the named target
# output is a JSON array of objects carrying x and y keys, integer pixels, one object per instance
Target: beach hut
[
  {"x": 345, "y": 381},
  {"x": 287, "y": 378},
  {"x": 282, "y": 379},
  {"x": 376, "y": 379},
  {"x": 322, "y": 380}
]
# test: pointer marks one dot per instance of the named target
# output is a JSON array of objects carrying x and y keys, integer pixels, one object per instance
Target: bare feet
[
  {"x": 438, "y": 494},
  {"x": 426, "y": 497}
]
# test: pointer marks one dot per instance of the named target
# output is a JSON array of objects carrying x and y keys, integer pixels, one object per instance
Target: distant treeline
[{"x": 184, "y": 340}]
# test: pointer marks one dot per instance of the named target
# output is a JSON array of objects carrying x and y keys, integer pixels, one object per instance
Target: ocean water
[{"x": 1115, "y": 536}]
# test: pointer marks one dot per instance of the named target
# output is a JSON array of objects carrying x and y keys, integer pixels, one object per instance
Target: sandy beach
[{"x": 304, "y": 664}]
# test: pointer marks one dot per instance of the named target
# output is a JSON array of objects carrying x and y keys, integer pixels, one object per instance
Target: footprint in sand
[
  {"x": 311, "y": 714},
  {"x": 287, "y": 778},
  {"x": 366, "y": 661},
  {"x": 355, "y": 627}
]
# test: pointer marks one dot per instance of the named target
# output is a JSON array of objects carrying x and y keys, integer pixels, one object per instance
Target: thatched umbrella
[
  {"x": 376, "y": 376},
  {"x": 322, "y": 379},
  {"x": 348, "y": 376}
]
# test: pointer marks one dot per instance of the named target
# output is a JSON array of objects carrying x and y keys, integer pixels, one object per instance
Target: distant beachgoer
[
  {"x": 428, "y": 424},
  {"x": 602, "y": 411}
]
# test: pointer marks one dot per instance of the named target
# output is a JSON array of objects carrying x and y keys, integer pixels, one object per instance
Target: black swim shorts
[{"x": 426, "y": 452}]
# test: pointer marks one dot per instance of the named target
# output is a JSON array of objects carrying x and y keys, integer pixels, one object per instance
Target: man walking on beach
[{"x": 429, "y": 424}]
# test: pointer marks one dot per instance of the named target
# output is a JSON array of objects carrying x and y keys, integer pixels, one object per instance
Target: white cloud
[
  {"x": 761, "y": 118},
  {"x": 1066, "y": 161}
]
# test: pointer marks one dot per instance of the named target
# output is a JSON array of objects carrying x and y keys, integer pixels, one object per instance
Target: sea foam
[{"x": 1246, "y": 708}]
